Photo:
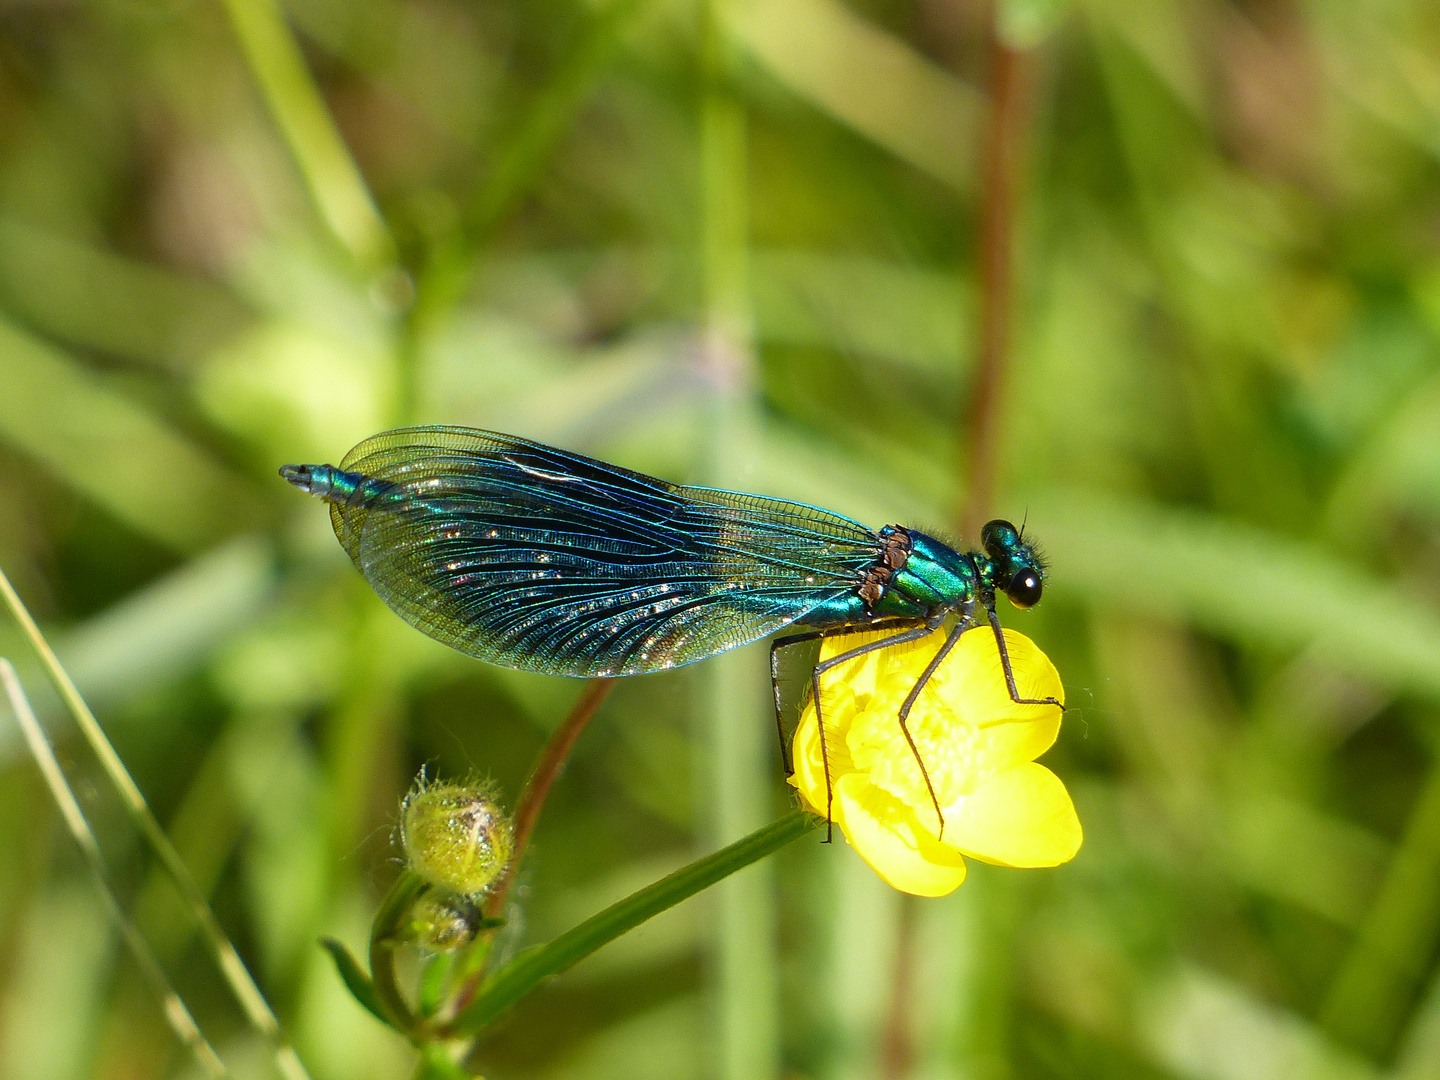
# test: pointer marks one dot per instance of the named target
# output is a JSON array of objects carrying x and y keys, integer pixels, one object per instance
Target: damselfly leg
[
  {"x": 1005, "y": 663},
  {"x": 821, "y": 668},
  {"x": 967, "y": 620},
  {"x": 799, "y": 639},
  {"x": 911, "y": 633}
]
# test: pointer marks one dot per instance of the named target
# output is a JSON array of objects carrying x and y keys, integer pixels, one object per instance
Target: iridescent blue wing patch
[{"x": 531, "y": 557}]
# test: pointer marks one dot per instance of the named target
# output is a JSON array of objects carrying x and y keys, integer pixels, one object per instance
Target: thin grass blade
[
  {"x": 242, "y": 985},
  {"x": 177, "y": 1015}
]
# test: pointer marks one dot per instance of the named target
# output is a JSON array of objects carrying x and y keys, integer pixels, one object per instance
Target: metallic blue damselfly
[{"x": 531, "y": 557}]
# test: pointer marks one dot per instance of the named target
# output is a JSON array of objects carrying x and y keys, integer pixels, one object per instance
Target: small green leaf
[
  {"x": 385, "y": 936},
  {"x": 433, "y": 983},
  {"x": 354, "y": 977}
]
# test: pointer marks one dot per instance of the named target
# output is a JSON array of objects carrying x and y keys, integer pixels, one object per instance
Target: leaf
[
  {"x": 93, "y": 297},
  {"x": 869, "y": 307},
  {"x": 354, "y": 977},
  {"x": 1200, "y": 1025},
  {"x": 1241, "y": 582},
  {"x": 866, "y": 78}
]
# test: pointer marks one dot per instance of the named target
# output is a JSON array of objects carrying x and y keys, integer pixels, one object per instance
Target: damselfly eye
[{"x": 1024, "y": 589}]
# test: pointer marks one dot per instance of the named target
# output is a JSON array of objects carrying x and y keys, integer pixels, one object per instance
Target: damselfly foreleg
[
  {"x": 1005, "y": 663},
  {"x": 967, "y": 620}
]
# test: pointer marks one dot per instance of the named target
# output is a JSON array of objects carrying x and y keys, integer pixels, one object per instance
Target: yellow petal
[
  {"x": 884, "y": 831},
  {"x": 1019, "y": 817},
  {"x": 860, "y": 674},
  {"x": 809, "y": 760},
  {"x": 809, "y": 775},
  {"x": 974, "y": 678}
]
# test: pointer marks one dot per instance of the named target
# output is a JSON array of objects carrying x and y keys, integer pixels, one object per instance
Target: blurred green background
[{"x": 737, "y": 244}]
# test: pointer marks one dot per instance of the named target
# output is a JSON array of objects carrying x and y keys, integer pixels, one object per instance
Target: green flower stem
[
  {"x": 434, "y": 981},
  {"x": 552, "y": 757},
  {"x": 534, "y": 966},
  {"x": 385, "y": 938},
  {"x": 436, "y": 1063}
]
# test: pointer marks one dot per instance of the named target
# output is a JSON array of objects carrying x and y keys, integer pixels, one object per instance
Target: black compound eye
[{"x": 1024, "y": 589}]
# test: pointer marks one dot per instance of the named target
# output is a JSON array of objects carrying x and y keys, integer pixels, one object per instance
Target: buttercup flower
[{"x": 979, "y": 749}]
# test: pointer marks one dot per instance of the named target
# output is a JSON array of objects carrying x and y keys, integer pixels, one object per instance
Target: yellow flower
[{"x": 979, "y": 748}]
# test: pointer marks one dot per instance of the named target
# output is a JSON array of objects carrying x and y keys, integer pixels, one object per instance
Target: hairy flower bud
[
  {"x": 455, "y": 836},
  {"x": 443, "y": 922}
]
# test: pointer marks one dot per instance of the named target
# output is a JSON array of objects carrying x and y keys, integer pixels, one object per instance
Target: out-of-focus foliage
[{"x": 1221, "y": 419}]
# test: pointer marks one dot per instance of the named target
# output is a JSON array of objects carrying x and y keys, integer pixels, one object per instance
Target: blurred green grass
[{"x": 1221, "y": 420}]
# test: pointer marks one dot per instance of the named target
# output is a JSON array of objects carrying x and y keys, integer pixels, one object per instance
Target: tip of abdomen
[{"x": 311, "y": 479}]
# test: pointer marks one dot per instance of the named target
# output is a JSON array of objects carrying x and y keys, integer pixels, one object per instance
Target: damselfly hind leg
[
  {"x": 835, "y": 661},
  {"x": 775, "y": 646},
  {"x": 799, "y": 639},
  {"x": 1005, "y": 664},
  {"x": 966, "y": 621}
]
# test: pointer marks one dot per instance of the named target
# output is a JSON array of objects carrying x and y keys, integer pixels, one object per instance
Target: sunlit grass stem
[
  {"x": 176, "y": 1013},
  {"x": 232, "y": 968}
]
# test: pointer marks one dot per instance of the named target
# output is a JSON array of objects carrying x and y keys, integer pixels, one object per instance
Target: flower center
[{"x": 946, "y": 743}]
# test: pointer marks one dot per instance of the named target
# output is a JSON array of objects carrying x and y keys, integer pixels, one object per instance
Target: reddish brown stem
[
  {"x": 1000, "y": 155},
  {"x": 547, "y": 767},
  {"x": 1004, "y": 132},
  {"x": 897, "y": 1048}
]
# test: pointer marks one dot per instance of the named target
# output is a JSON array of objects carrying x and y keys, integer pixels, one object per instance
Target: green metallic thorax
[
  {"x": 934, "y": 579},
  {"x": 936, "y": 576}
]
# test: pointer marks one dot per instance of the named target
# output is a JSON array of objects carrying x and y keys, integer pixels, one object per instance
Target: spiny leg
[
  {"x": 966, "y": 621},
  {"x": 1005, "y": 664},
  {"x": 797, "y": 639},
  {"x": 824, "y": 756},
  {"x": 820, "y": 669}
]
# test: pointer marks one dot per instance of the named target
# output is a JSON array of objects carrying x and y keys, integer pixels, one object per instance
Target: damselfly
[{"x": 536, "y": 558}]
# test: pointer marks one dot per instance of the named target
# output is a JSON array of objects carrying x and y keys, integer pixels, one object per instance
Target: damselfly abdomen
[{"x": 531, "y": 557}]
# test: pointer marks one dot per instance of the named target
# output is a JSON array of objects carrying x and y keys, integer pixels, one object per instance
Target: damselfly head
[{"x": 1017, "y": 569}]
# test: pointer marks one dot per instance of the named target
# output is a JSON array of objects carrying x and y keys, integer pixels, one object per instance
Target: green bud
[
  {"x": 455, "y": 836},
  {"x": 443, "y": 922}
]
